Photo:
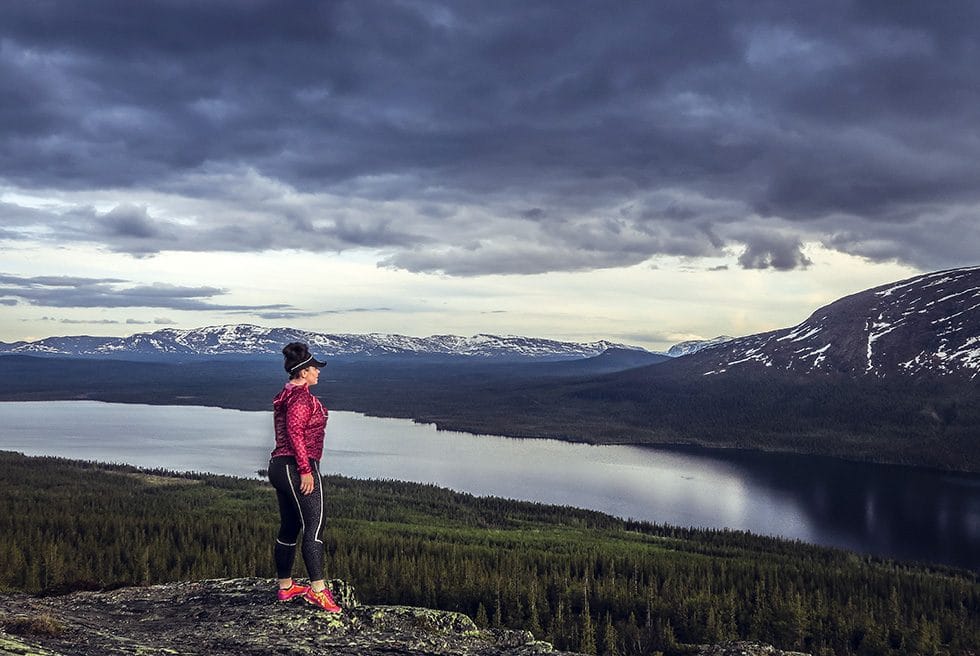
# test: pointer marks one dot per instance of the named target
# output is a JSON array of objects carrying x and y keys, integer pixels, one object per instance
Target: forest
[{"x": 579, "y": 579}]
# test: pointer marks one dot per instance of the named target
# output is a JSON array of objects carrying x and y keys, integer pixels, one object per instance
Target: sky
[{"x": 643, "y": 172}]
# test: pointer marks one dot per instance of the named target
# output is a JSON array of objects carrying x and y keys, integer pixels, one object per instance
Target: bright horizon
[{"x": 782, "y": 313}]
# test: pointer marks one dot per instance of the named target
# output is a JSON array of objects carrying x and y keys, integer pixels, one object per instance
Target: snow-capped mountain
[
  {"x": 249, "y": 340},
  {"x": 695, "y": 345},
  {"x": 926, "y": 325}
]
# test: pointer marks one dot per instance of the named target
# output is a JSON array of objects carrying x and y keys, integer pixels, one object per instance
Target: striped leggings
[{"x": 298, "y": 513}]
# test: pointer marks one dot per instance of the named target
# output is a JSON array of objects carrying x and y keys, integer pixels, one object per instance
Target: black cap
[
  {"x": 298, "y": 357},
  {"x": 308, "y": 362}
]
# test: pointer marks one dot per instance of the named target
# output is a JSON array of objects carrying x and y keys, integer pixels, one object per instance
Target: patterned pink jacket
[{"x": 301, "y": 421}]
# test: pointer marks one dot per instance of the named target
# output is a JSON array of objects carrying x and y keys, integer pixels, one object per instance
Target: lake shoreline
[{"x": 448, "y": 426}]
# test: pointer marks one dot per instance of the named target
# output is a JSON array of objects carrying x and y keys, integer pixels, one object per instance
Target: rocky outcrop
[
  {"x": 241, "y": 617},
  {"x": 744, "y": 649}
]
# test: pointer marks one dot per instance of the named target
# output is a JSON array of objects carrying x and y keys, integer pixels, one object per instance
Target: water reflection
[
  {"x": 888, "y": 511},
  {"x": 900, "y": 512}
]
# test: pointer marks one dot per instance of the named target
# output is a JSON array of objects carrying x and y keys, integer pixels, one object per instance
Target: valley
[{"x": 889, "y": 375}]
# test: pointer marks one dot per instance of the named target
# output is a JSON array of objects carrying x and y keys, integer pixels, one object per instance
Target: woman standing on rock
[{"x": 294, "y": 470}]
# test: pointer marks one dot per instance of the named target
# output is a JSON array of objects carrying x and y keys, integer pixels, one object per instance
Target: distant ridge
[
  {"x": 695, "y": 345},
  {"x": 250, "y": 340},
  {"x": 928, "y": 325}
]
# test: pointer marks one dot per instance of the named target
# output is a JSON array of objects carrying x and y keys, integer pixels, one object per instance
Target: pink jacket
[{"x": 300, "y": 420}]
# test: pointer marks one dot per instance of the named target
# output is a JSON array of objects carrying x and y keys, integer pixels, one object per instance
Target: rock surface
[
  {"x": 744, "y": 649},
  {"x": 241, "y": 617}
]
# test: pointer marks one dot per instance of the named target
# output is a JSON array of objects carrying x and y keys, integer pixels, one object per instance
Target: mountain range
[
  {"x": 928, "y": 325},
  {"x": 245, "y": 340}
]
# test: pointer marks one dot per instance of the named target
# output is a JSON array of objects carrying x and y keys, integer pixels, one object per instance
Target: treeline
[
  {"x": 579, "y": 579},
  {"x": 911, "y": 422}
]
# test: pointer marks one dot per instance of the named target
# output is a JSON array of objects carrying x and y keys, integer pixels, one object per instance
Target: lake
[{"x": 895, "y": 512}]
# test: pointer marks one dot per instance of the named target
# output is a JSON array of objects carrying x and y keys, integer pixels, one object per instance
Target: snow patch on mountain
[
  {"x": 695, "y": 345},
  {"x": 927, "y": 325},
  {"x": 802, "y": 332},
  {"x": 247, "y": 339}
]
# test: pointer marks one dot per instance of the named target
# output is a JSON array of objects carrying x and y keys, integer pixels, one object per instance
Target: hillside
[
  {"x": 693, "y": 346},
  {"x": 573, "y": 578},
  {"x": 926, "y": 326}
]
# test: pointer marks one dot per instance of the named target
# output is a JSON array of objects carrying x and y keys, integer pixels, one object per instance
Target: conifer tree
[
  {"x": 664, "y": 637},
  {"x": 557, "y": 630},
  {"x": 498, "y": 612},
  {"x": 533, "y": 621},
  {"x": 481, "y": 617},
  {"x": 513, "y": 609},
  {"x": 610, "y": 638},
  {"x": 587, "y": 642},
  {"x": 926, "y": 637}
]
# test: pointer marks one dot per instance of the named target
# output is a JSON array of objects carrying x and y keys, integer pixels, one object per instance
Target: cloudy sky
[{"x": 642, "y": 172}]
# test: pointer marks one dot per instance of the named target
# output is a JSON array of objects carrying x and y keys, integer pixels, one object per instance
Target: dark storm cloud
[
  {"x": 41, "y": 282},
  {"x": 67, "y": 291},
  {"x": 771, "y": 251},
  {"x": 128, "y": 221},
  {"x": 436, "y": 132},
  {"x": 133, "y": 229}
]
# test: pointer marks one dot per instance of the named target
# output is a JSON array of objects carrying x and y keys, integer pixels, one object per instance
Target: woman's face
[{"x": 310, "y": 375}]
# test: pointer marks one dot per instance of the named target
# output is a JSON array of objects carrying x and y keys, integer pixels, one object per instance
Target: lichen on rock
[
  {"x": 744, "y": 648},
  {"x": 242, "y": 617}
]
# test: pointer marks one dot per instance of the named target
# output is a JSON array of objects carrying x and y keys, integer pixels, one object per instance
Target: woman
[{"x": 294, "y": 470}]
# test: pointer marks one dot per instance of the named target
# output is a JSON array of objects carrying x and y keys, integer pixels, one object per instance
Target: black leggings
[{"x": 297, "y": 512}]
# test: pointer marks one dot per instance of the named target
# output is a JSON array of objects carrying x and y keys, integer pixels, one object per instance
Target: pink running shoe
[
  {"x": 323, "y": 599},
  {"x": 285, "y": 594}
]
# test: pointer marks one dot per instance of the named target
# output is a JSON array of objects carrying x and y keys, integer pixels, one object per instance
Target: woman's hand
[{"x": 306, "y": 483}]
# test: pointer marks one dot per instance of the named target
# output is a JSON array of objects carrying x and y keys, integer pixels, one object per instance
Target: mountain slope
[
  {"x": 695, "y": 345},
  {"x": 928, "y": 325}
]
